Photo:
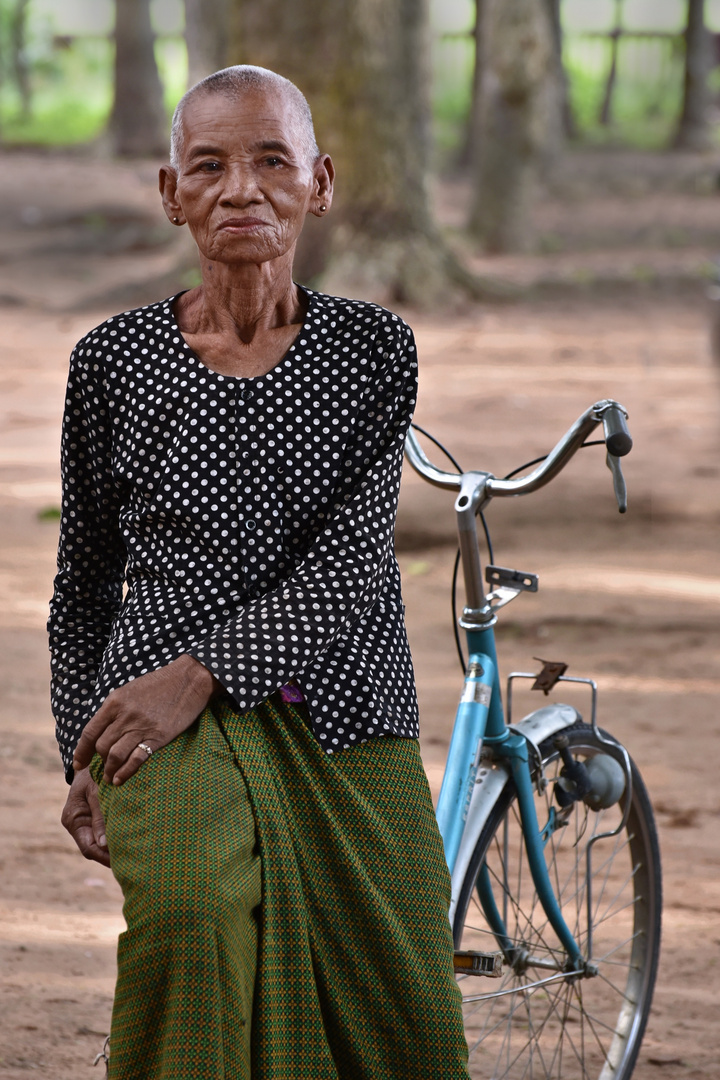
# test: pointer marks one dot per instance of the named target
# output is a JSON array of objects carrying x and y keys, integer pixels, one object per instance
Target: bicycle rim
[{"x": 535, "y": 1022}]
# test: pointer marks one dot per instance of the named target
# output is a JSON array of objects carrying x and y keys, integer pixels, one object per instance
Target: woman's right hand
[{"x": 83, "y": 819}]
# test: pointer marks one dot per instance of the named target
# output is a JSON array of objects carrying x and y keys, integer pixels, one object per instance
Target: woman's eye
[
  {"x": 273, "y": 161},
  {"x": 210, "y": 166}
]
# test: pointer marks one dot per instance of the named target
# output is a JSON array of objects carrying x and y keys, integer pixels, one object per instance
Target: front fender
[{"x": 492, "y": 778}]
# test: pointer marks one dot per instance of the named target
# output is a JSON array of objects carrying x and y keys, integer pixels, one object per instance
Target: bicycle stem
[{"x": 477, "y": 612}]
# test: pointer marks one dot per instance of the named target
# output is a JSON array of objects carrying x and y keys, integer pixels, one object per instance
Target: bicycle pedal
[{"x": 469, "y": 962}]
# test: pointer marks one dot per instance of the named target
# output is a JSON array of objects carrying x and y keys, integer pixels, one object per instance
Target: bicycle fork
[
  {"x": 479, "y": 722},
  {"x": 515, "y": 749}
]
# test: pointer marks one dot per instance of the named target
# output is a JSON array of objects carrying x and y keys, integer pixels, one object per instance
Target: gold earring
[
  {"x": 322, "y": 209},
  {"x": 176, "y": 221}
]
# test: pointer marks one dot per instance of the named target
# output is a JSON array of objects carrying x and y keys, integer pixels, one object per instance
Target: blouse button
[
  {"x": 246, "y": 393},
  {"x": 250, "y": 525}
]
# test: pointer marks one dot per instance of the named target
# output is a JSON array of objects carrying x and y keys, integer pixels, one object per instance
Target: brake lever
[{"x": 613, "y": 464}]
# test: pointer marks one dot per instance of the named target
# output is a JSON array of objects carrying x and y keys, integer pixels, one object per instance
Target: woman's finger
[
  {"x": 122, "y": 751},
  {"x": 77, "y": 818},
  {"x": 90, "y": 849},
  {"x": 98, "y": 821},
  {"x": 120, "y": 732},
  {"x": 134, "y": 762},
  {"x": 92, "y": 731}
]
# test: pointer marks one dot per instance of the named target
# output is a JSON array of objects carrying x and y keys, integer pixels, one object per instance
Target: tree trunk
[
  {"x": 565, "y": 113},
  {"x": 470, "y": 153},
  {"x": 364, "y": 67},
  {"x": 518, "y": 121},
  {"x": 206, "y": 30},
  {"x": 605, "y": 115},
  {"x": 19, "y": 61},
  {"x": 138, "y": 123},
  {"x": 693, "y": 130}
]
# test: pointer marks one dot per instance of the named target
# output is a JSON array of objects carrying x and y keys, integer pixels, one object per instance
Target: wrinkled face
[{"x": 243, "y": 185}]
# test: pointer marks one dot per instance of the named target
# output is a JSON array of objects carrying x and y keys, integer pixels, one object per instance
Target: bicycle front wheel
[{"x": 536, "y": 1022}]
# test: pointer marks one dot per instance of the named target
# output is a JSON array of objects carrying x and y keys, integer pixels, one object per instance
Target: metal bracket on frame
[{"x": 507, "y": 584}]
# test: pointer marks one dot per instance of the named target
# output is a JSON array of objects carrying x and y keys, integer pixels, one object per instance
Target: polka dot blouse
[{"x": 246, "y": 521}]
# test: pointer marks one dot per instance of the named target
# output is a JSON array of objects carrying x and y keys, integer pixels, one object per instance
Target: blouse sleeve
[
  {"x": 91, "y": 555},
  {"x": 277, "y": 635}
]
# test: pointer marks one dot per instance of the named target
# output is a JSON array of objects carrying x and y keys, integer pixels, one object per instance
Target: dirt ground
[{"x": 633, "y": 601}]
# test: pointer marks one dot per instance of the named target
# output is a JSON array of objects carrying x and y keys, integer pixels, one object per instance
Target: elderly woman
[{"x": 240, "y": 728}]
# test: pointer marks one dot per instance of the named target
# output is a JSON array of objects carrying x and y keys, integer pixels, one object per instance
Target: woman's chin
[{"x": 238, "y": 251}]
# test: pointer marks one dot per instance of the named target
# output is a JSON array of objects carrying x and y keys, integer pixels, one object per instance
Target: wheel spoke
[
  {"x": 536, "y": 1024},
  {"x": 616, "y": 989},
  {"x": 565, "y": 1034},
  {"x": 607, "y": 866},
  {"x": 581, "y": 1011},
  {"x": 518, "y": 938},
  {"x": 605, "y": 958},
  {"x": 620, "y": 889},
  {"x": 632, "y": 902},
  {"x": 591, "y": 1025}
]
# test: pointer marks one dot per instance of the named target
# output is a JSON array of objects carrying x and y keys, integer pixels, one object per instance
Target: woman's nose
[{"x": 241, "y": 185}]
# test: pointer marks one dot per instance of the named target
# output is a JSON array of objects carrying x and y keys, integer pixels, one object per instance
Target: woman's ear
[
  {"x": 167, "y": 182},
  {"x": 324, "y": 178}
]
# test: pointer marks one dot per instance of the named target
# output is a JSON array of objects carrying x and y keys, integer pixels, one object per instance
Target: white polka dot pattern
[{"x": 252, "y": 520}]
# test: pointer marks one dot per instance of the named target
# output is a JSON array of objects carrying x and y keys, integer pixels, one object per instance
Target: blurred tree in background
[
  {"x": 14, "y": 64},
  {"x": 138, "y": 122},
  {"x": 567, "y": 117},
  {"x": 364, "y": 65},
  {"x": 694, "y": 129},
  {"x": 517, "y": 118},
  {"x": 206, "y": 35},
  {"x": 19, "y": 61}
]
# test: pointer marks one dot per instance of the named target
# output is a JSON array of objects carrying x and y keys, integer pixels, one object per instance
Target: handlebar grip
[{"x": 617, "y": 437}]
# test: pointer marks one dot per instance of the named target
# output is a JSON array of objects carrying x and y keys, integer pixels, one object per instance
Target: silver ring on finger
[{"x": 144, "y": 746}]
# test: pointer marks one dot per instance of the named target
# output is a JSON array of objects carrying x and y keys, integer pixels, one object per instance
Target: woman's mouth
[{"x": 242, "y": 224}]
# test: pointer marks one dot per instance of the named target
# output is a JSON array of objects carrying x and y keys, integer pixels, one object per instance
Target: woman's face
[{"x": 244, "y": 185}]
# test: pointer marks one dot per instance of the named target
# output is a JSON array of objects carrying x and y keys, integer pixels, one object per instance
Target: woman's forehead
[{"x": 255, "y": 115}]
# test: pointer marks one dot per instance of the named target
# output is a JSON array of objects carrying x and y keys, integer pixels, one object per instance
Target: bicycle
[{"x": 548, "y": 829}]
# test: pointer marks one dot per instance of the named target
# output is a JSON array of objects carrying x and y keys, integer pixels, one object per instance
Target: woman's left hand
[{"x": 152, "y": 709}]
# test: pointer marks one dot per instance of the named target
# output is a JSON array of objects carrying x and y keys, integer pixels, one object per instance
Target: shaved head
[{"x": 231, "y": 83}]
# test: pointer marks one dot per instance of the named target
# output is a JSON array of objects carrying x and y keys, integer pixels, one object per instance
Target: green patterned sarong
[{"x": 286, "y": 909}]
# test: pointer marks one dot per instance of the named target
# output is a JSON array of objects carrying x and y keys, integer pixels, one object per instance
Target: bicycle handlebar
[
  {"x": 610, "y": 413},
  {"x": 617, "y": 437}
]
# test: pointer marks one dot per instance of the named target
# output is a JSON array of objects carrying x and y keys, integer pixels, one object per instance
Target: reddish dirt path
[{"x": 635, "y": 601}]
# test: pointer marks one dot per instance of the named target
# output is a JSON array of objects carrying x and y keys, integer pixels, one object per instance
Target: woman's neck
[{"x": 242, "y": 300}]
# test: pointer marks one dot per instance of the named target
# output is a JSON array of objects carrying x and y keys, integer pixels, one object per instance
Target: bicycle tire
[{"x": 583, "y": 1029}]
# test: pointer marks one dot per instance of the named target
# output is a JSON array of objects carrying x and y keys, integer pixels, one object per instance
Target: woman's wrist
[{"x": 201, "y": 680}]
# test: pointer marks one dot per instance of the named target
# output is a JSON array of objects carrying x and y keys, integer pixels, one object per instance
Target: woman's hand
[
  {"x": 152, "y": 709},
  {"x": 82, "y": 817}
]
